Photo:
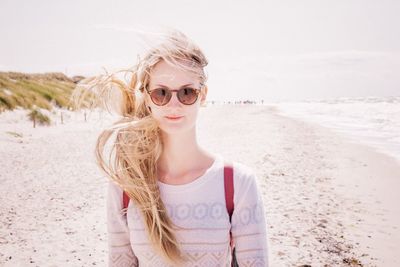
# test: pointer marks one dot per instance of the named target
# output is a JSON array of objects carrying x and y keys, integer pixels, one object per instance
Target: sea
[{"x": 373, "y": 121}]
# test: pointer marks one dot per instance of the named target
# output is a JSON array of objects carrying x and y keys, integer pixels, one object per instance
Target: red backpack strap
[
  {"x": 229, "y": 192},
  {"x": 125, "y": 200},
  {"x": 229, "y": 189}
]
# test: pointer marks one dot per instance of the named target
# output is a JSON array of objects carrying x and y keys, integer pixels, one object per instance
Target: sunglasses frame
[{"x": 172, "y": 91}]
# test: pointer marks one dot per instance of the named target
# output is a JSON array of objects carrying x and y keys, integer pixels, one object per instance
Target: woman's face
[{"x": 170, "y": 77}]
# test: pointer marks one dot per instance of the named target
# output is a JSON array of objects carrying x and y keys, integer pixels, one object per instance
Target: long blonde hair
[{"x": 132, "y": 161}]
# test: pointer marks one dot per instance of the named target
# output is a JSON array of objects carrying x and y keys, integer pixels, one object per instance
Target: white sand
[{"x": 327, "y": 201}]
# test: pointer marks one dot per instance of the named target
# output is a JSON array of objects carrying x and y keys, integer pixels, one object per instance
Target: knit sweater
[{"x": 201, "y": 222}]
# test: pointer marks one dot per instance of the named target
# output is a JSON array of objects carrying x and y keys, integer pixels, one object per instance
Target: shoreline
[{"x": 52, "y": 200}]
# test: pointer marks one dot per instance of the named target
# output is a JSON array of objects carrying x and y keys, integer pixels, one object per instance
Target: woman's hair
[{"x": 132, "y": 159}]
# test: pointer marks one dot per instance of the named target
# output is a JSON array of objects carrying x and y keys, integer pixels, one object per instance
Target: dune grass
[
  {"x": 35, "y": 90},
  {"x": 37, "y": 117}
]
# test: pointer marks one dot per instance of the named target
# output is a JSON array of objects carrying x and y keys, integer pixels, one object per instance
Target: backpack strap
[
  {"x": 229, "y": 190},
  {"x": 125, "y": 200}
]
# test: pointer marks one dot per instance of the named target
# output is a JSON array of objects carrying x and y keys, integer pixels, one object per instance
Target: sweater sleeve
[
  {"x": 249, "y": 230},
  {"x": 120, "y": 252}
]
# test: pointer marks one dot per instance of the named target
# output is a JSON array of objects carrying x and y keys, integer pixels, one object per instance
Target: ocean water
[{"x": 374, "y": 121}]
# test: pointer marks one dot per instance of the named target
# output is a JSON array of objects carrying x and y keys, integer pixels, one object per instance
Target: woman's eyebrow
[{"x": 161, "y": 85}]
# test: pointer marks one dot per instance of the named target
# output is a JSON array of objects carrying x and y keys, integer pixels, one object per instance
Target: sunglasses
[{"x": 161, "y": 96}]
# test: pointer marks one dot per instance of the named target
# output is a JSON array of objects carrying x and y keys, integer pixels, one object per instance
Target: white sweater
[{"x": 199, "y": 208}]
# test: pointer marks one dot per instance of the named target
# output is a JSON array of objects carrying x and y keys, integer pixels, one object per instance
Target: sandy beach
[{"x": 329, "y": 202}]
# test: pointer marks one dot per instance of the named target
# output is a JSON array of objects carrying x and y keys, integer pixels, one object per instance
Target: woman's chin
[{"x": 176, "y": 128}]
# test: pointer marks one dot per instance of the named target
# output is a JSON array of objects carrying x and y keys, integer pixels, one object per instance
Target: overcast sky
[{"x": 281, "y": 50}]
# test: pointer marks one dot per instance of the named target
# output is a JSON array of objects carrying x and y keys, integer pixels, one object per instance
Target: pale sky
[{"x": 280, "y": 50}]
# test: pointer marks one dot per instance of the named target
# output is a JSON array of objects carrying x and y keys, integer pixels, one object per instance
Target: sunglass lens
[
  {"x": 187, "y": 96},
  {"x": 160, "y": 96}
]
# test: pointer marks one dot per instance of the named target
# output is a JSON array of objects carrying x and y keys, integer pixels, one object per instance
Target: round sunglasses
[{"x": 161, "y": 96}]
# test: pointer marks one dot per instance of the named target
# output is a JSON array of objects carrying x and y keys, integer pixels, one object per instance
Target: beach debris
[
  {"x": 15, "y": 134},
  {"x": 352, "y": 262}
]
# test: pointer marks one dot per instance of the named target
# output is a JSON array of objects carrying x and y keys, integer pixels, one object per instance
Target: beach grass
[
  {"x": 38, "y": 117},
  {"x": 36, "y": 90}
]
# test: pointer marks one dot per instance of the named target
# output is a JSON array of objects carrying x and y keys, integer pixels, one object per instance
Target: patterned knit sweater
[{"x": 201, "y": 220}]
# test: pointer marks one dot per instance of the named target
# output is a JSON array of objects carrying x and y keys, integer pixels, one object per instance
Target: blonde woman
[{"x": 176, "y": 215}]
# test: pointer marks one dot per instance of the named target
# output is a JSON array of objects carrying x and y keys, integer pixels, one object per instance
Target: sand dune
[{"x": 328, "y": 202}]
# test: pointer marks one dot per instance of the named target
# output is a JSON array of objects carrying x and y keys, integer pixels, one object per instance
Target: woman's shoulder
[
  {"x": 115, "y": 192},
  {"x": 246, "y": 183},
  {"x": 241, "y": 171}
]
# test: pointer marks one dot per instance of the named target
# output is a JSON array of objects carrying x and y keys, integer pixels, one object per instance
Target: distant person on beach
[{"x": 177, "y": 194}]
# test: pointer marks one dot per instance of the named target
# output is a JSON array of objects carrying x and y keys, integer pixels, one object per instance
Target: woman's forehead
[{"x": 166, "y": 73}]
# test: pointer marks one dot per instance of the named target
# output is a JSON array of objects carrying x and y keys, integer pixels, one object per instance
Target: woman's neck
[{"x": 181, "y": 155}]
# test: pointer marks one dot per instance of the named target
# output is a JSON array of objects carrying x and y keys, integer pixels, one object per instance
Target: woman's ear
[
  {"x": 148, "y": 106},
  {"x": 146, "y": 103},
  {"x": 203, "y": 94}
]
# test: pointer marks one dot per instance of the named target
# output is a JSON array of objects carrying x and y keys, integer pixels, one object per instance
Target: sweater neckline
[{"x": 196, "y": 182}]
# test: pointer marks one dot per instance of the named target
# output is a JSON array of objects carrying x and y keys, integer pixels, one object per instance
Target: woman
[{"x": 177, "y": 212}]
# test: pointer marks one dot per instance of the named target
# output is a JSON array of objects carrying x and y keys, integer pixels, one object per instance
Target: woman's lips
[{"x": 173, "y": 117}]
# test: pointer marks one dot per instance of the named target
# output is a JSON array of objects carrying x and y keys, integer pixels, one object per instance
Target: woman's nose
[{"x": 174, "y": 101}]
